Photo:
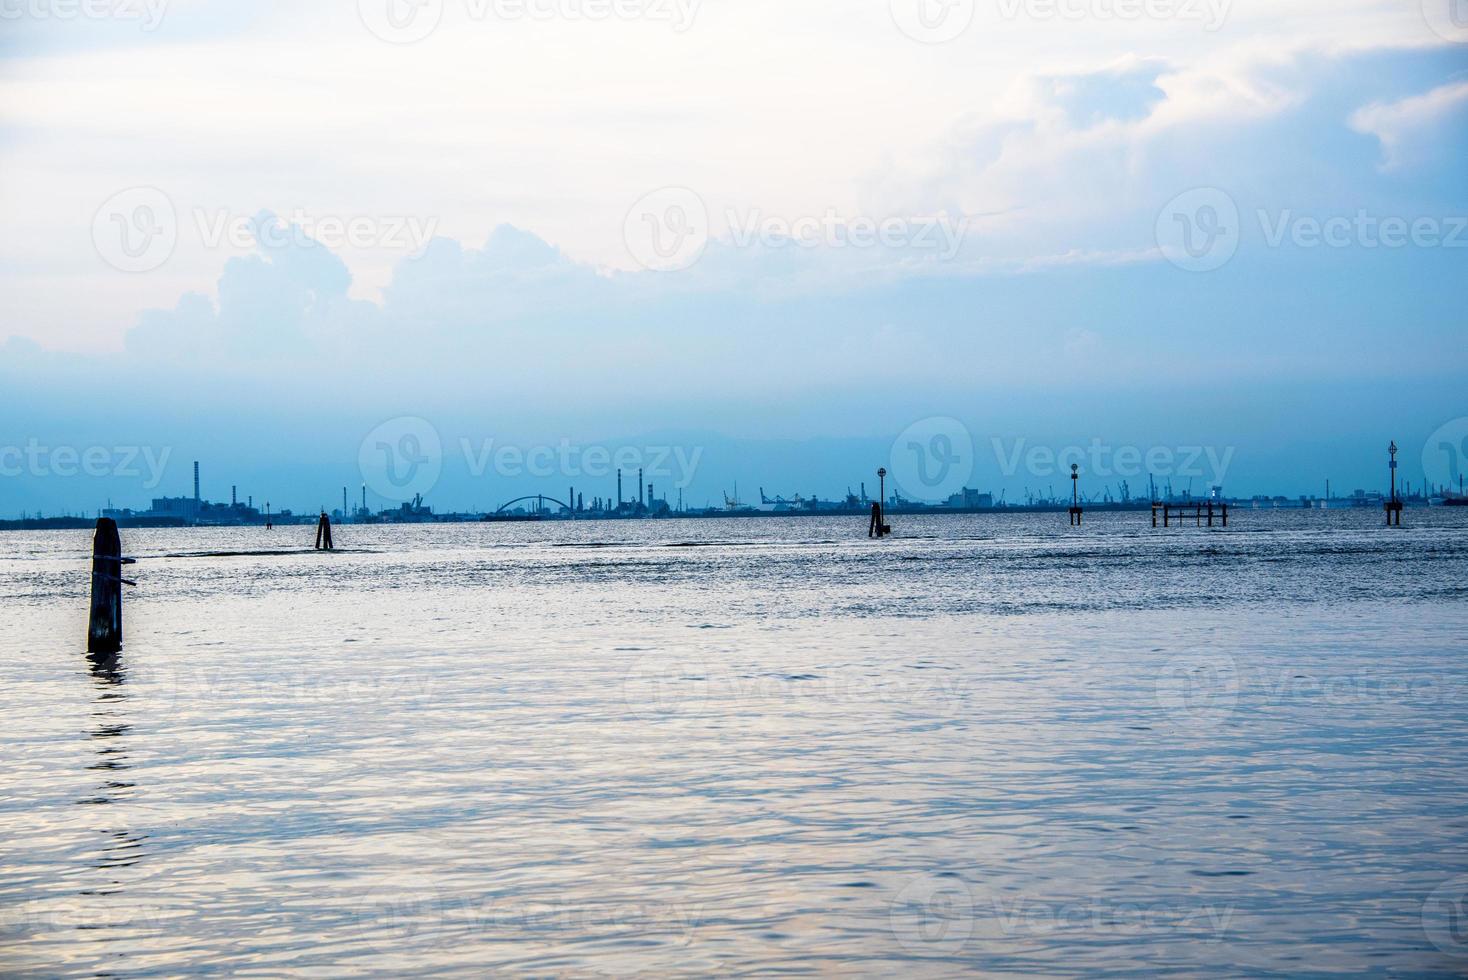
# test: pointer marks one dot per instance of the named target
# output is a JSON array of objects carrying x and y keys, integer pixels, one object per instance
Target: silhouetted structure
[
  {"x": 1393, "y": 505},
  {"x": 104, "y": 632},
  {"x": 323, "y": 534},
  {"x": 1200, "y": 511},
  {"x": 1075, "y": 495},
  {"x": 879, "y": 528}
]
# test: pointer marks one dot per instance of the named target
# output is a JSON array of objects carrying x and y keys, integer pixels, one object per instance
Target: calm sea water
[{"x": 990, "y": 744}]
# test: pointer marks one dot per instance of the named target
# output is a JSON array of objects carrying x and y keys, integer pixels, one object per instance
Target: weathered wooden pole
[
  {"x": 1075, "y": 495},
  {"x": 323, "y": 533},
  {"x": 104, "y": 633}
]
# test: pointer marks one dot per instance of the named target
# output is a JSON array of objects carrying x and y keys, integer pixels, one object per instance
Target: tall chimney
[
  {"x": 619, "y": 489},
  {"x": 640, "y": 497},
  {"x": 234, "y": 495},
  {"x": 196, "y": 481}
]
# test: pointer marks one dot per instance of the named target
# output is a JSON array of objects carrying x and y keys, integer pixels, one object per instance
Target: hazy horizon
[{"x": 1219, "y": 225}]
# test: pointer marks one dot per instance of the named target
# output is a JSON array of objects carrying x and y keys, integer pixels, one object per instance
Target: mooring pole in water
[
  {"x": 323, "y": 533},
  {"x": 1393, "y": 505},
  {"x": 1075, "y": 495},
  {"x": 104, "y": 632},
  {"x": 879, "y": 526}
]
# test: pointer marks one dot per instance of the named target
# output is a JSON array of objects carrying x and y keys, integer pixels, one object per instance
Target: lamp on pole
[{"x": 1393, "y": 505}]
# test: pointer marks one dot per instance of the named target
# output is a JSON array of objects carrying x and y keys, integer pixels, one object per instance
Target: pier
[{"x": 1199, "y": 511}]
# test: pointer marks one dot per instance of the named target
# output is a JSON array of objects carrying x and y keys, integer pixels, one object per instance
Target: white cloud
[
  {"x": 1406, "y": 128},
  {"x": 1046, "y": 131}
]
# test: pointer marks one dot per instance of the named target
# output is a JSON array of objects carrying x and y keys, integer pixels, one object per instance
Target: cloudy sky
[{"x": 788, "y": 232}]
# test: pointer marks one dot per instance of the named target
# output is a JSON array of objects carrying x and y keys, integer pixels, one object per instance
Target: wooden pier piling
[
  {"x": 104, "y": 632},
  {"x": 1199, "y": 511},
  {"x": 323, "y": 534},
  {"x": 1075, "y": 495}
]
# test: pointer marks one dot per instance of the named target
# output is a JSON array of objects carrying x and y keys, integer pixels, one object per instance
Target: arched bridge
[{"x": 542, "y": 500}]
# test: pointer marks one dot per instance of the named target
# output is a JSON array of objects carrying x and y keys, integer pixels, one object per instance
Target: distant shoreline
[{"x": 86, "y": 523}]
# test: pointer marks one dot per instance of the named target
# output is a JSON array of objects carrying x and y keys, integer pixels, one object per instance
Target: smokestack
[
  {"x": 196, "y": 481},
  {"x": 619, "y": 489},
  {"x": 649, "y": 496},
  {"x": 344, "y": 503},
  {"x": 364, "y": 498},
  {"x": 234, "y": 495},
  {"x": 640, "y": 497}
]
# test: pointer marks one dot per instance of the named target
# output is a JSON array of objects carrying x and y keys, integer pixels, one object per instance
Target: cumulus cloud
[{"x": 290, "y": 294}]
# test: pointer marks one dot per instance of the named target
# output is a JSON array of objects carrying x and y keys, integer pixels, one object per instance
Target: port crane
[{"x": 795, "y": 501}]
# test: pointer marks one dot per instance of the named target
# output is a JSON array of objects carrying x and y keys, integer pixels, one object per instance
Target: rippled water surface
[{"x": 990, "y": 744}]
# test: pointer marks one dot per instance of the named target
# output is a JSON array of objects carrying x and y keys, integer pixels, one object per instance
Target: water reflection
[
  {"x": 109, "y": 735},
  {"x": 1113, "y": 752}
]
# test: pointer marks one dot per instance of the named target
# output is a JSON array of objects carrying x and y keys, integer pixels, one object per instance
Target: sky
[{"x": 399, "y": 243}]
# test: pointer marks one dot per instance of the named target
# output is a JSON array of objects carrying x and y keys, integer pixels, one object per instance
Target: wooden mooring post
[
  {"x": 104, "y": 631},
  {"x": 323, "y": 533},
  {"x": 1075, "y": 495},
  {"x": 1199, "y": 511}
]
